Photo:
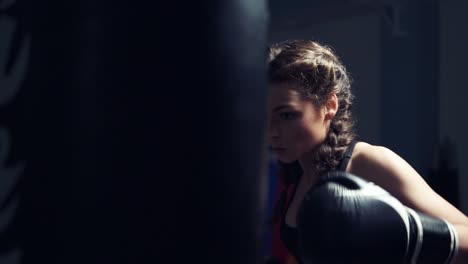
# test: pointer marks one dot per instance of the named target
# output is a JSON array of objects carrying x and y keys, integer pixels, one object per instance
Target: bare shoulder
[
  {"x": 381, "y": 166},
  {"x": 366, "y": 150},
  {"x": 366, "y": 156},
  {"x": 387, "y": 169}
]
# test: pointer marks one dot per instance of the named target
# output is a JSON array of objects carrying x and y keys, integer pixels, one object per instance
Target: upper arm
[{"x": 388, "y": 170}]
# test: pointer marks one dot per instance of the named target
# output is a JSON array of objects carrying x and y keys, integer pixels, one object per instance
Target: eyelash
[{"x": 284, "y": 114}]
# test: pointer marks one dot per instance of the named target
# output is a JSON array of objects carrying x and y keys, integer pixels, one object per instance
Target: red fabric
[{"x": 278, "y": 249}]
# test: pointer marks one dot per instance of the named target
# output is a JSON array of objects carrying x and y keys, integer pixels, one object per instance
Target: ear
[{"x": 331, "y": 107}]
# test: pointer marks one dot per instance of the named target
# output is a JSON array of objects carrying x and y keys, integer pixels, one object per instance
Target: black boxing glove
[{"x": 345, "y": 219}]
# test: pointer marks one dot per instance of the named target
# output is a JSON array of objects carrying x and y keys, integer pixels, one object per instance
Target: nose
[{"x": 273, "y": 132}]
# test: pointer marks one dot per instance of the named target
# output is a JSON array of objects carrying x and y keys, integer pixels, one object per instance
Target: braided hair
[{"x": 316, "y": 73}]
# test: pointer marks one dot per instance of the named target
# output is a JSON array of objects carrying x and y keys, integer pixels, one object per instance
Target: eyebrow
[{"x": 280, "y": 107}]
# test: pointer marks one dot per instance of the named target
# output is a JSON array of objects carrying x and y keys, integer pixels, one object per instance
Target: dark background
[
  {"x": 132, "y": 132},
  {"x": 407, "y": 61}
]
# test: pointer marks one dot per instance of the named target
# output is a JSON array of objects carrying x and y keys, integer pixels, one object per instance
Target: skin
[{"x": 296, "y": 127}]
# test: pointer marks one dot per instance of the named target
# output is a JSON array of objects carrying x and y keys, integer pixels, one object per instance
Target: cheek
[
  {"x": 299, "y": 138},
  {"x": 303, "y": 136},
  {"x": 308, "y": 135}
]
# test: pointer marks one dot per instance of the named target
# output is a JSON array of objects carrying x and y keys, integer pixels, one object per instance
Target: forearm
[{"x": 462, "y": 256}]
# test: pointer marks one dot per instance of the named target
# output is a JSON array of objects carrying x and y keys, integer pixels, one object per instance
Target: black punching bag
[{"x": 141, "y": 128}]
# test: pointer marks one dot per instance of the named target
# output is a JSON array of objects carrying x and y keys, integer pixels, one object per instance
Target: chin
[
  {"x": 286, "y": 156},
  {"x": 285, "y": 159}
]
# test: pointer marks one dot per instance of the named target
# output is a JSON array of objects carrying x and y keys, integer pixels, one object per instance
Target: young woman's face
[{"x": 295, "y": 125}]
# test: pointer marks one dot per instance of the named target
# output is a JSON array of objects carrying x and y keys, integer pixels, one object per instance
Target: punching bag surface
[{"x": 142, "y": 128}]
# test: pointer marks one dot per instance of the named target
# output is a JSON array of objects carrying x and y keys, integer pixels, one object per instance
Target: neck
[{"x": 310, "y": 175}]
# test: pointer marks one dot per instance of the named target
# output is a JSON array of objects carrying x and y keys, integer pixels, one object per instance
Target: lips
[{"x": 277, "y": 149}]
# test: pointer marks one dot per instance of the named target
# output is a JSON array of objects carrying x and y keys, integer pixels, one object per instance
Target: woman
[{"x": 311, "y": 132}]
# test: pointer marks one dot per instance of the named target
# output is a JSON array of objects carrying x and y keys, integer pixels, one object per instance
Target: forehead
[{"x": 284, "y": 93}]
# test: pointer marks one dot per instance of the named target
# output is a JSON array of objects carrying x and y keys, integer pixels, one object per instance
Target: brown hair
[{"x": 317, "y": 73}]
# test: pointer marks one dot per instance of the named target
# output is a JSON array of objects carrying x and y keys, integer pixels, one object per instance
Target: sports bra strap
[{"x": 347, "y": 156}]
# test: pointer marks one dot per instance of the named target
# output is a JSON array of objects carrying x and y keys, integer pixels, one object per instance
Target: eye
[{"x": 287, "y": 115}]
